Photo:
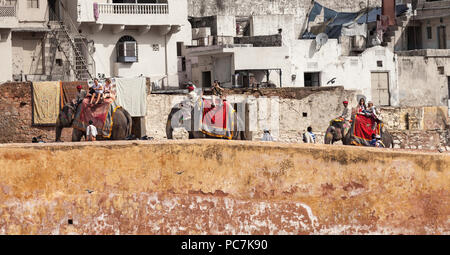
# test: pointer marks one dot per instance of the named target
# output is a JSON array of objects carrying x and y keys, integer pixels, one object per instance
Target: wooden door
[
  {"x": 442, "y": 37},
  {"x": 380, "y": 89}
]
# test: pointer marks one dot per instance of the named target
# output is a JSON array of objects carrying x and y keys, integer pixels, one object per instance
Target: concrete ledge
[{"x": 220, "y": 187}]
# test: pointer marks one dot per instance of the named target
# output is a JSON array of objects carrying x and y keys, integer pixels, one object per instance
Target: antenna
[{"x": 321, "y": 39}]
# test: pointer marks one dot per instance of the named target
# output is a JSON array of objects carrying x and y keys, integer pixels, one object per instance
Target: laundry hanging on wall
[
  {"x": 46, "y": 102},
  {"x": 132, "y": 95}
]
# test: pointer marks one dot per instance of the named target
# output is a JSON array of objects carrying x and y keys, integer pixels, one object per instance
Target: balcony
[
  {"x": 167, "y": 17},
  {"x": 8, "y": 16},
  {"x": 132, "y": 9}
]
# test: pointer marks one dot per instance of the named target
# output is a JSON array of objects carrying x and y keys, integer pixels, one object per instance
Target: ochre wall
[{"x": 221, "y": 187}]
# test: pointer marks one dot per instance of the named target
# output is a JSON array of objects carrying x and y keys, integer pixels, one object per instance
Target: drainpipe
[
  {"x": 165, "y": 52},
  {"x": 367, "y": 25}
]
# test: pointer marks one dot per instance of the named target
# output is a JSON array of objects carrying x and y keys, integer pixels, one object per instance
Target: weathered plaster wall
[
  {"x": 220, "y": 187},
  {"x": 421, "y": 83},
  {"x": 298, "y": 8},
  {"x": 6, "y": 53}
]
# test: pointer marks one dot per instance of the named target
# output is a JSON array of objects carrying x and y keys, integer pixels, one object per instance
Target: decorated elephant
[
  {"x": 120, "y": 129},
  {"x": 339, "y": 131},
  {"x": 192, "y": 119}
]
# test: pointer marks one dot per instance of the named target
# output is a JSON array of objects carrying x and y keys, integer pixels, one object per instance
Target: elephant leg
[
  {"x": 77, "y": 135},
  {"x": 59, "y": 128}
]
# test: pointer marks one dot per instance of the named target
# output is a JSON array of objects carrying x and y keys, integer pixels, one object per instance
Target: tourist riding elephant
[
  {"x": 121, "y": 127},
  {"x": 336, "y": 132},
  {"x": 180, "y": 118}
]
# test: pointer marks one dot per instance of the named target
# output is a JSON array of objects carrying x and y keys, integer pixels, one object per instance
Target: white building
[
  {"x": 89, "y": 38},
  {"x": 130, "y": 39},
  {"x": 270, "y": 56}
]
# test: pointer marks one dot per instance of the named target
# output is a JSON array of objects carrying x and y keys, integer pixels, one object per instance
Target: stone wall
[
  {"x": 16, "y": 116},
  {"x": 287, "y": 112},
  {"x": 418, "y": 127},
  {"x": 260, "y": 41},
  {"x": 295, "y": 109},
  {"x": 221, "y": 187}
]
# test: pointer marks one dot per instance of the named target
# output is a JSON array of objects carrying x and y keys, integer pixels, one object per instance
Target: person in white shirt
[
  {"x": 309, "y": 136},
  {"x": 98, "y": 91},
  {"x": 91, "y": 132},
  {"x": 267, "y": 137},
  {"x": 345, "y": 113},
  {"x": 373, "y": 112}
]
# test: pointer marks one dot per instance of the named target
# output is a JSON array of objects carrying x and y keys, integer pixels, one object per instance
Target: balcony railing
[
  {"x": 136, "y": 9},
  {"x": 7, "y": 11}
]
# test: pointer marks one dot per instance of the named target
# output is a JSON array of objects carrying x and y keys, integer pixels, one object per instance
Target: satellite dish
[
  {"x": 362, "y": 5},
  {"x": 321, "y": 39}
]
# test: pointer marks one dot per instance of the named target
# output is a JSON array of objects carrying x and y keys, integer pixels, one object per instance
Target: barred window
[
  {"x": 127, "y": 50},
  {"x": 10, "y": 2},
  {"x": 33, "y": 3}
]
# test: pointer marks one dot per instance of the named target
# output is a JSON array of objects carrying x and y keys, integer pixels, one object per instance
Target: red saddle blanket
[
  {"x": 362, "y": 130},
  {"x": 217, "y": 121},
  {"x": 100, "y": 114}
]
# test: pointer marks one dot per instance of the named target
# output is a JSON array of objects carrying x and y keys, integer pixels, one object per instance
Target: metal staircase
[{"x": 73, "y": 46}]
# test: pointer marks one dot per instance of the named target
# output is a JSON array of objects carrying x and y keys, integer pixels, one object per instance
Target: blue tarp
[
  {"x": 372, "y": 16},
  {"x": 344, "y": 18},
  {"x": 316, "y": 10},
  {"x": 333, "y": 30},
  {"x": 400, "y": 9},
  {"x": 328, "y": 14}
]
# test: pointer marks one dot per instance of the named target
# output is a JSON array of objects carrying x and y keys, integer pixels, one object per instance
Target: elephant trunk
[{"x": 329, "y": 135}]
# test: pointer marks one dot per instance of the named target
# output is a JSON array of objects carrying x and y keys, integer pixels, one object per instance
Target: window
[
  {"x": 312, "y": 79},
  {"x": 127, "y": 50},
  {"x": 33, "y": 3},
  {"x": 179, "y": 49},
  {"x": 429, "y": 33},
  {"x": 10, "y": 2},
  {"x": 183, "y": 64},
  {"x": 448, "y": 84}
]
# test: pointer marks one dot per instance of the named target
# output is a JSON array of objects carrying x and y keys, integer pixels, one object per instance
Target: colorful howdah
[
  {"x": 362, "y": 130},
  {"x": 102, "y": 115},
  {"x": 217, "y": 121}
]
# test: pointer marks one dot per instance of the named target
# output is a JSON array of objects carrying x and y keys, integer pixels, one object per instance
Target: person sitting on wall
[
  {"x": 267, "y": 137},
  {"x": 309, "y": 136}
]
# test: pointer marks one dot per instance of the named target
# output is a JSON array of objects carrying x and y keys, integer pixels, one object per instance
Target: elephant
[
  {"x": 176, "y": 120},
  {"x": 336, "y": 132},
  {"x": 121, "y": 128}
]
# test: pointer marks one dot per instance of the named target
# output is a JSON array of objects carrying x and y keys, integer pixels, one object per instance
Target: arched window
[{"x": 127, "y": 50}]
